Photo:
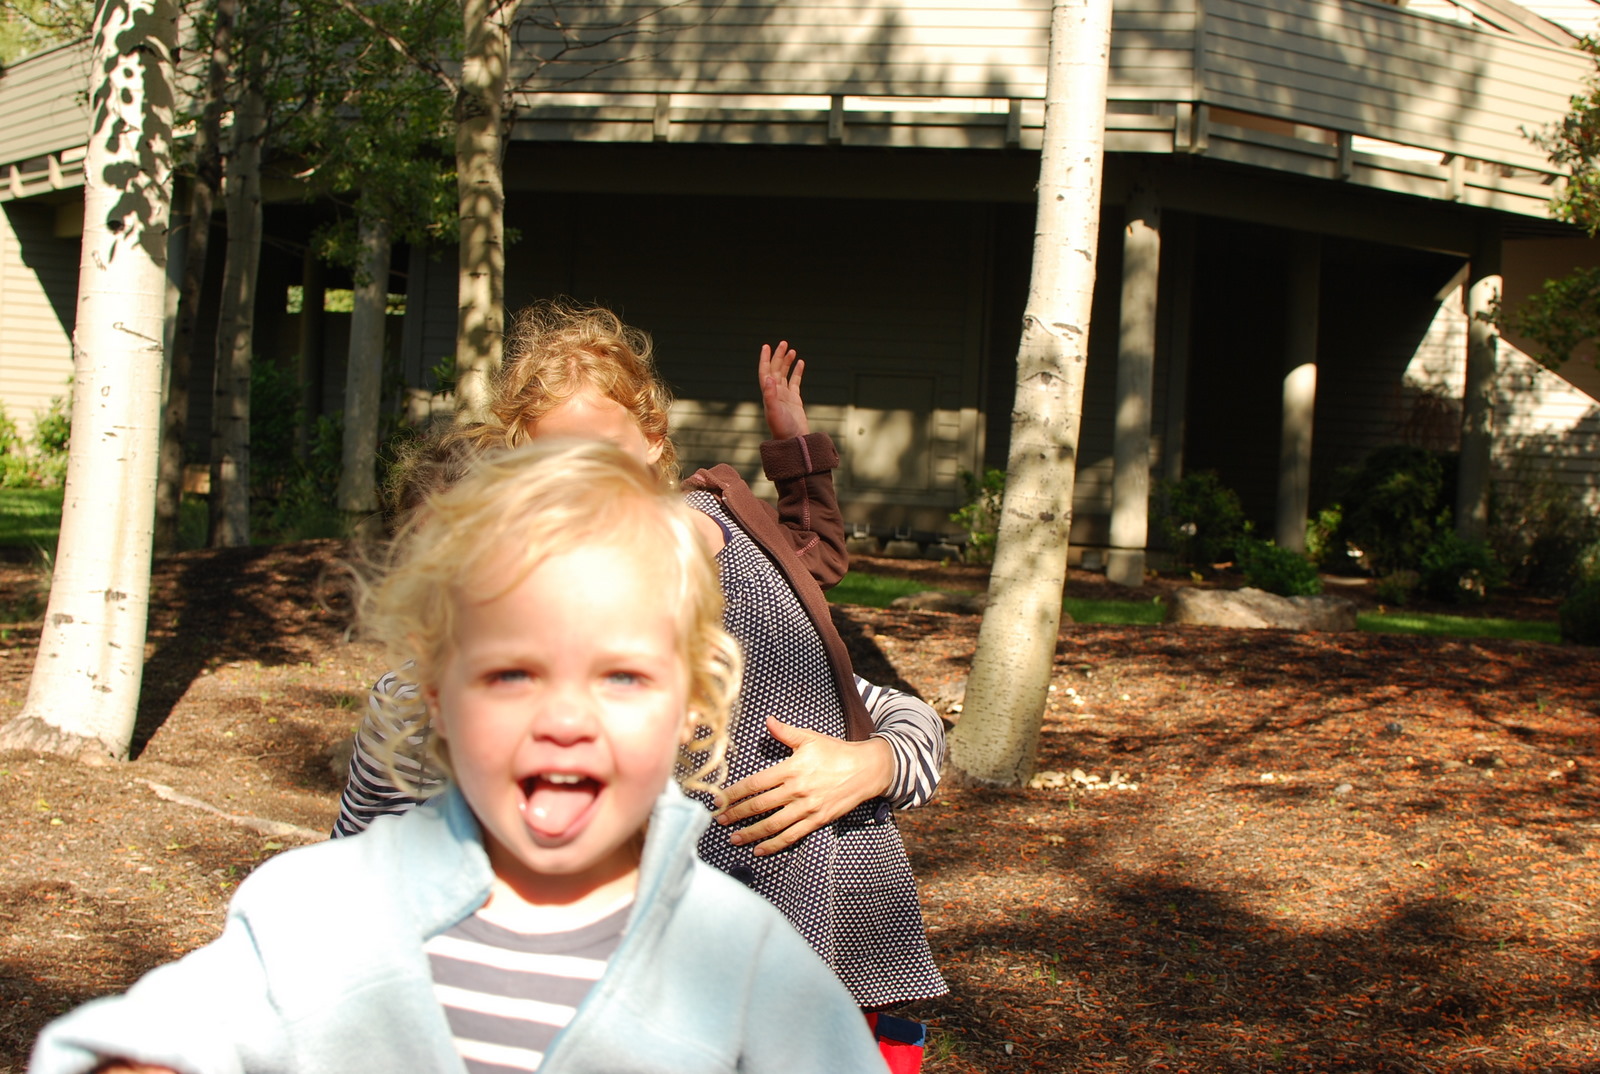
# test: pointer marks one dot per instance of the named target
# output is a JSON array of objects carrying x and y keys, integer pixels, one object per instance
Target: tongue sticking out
[{"x": 555, "y": 803}]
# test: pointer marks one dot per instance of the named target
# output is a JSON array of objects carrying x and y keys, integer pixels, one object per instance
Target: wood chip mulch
[{"x": 1247, "y": 850}]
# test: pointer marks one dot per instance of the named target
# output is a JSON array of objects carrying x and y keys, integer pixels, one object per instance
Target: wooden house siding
[
  {"x": 38, "y": 289},
  {"x": 46, "y": 121}
]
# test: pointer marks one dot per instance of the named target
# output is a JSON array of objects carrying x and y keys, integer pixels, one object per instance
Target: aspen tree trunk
[
  {"x": 230, "y": 414},
  {"x": 358, "y": 494},
  {"x": 997, "y": 739},
  {"x": 480, "y": 183},
  {"x": 202, "y": 201},
  {"x": 84, "y": 694}
]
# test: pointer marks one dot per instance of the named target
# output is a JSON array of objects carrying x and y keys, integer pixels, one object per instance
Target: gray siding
[
  {"x": 41, "y": 98},
  {"x": 38, "y": 289}
]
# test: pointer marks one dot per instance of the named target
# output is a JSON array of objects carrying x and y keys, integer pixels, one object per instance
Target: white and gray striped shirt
[{"x": 507, "y": 994}]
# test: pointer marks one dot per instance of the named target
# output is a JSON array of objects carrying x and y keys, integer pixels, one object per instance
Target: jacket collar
[{"x": 446, "y": 873}]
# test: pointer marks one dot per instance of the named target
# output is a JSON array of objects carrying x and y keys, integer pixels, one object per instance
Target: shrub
[
  {"x": 42, "y": 462},
  {"x": 1278, "y": 570},
  {"x": 1394, "y": 506},
  {"x": 981, "y": 515},
  {"x": 1322, "y": 544},
  {"x": 1397, "y": 587},
  {"x": 1202, "y": 518},
  {"x": 1580, "y": 615},
  {"x": 1459, "y": 571},
  {"x": 1541, "y": 530}
]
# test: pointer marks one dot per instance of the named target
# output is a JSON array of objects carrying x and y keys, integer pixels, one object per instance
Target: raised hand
[{"x": 780, "y": 371}]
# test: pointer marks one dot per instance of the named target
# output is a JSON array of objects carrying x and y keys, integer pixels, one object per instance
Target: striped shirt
[{"x": 507, "y": 994}]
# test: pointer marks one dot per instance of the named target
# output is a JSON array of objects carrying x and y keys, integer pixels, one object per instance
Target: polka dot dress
[{"x": 848, "y": 887}]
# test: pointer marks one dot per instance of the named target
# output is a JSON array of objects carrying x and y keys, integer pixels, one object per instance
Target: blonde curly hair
[
  {"x": 513, "y": 510},
  {"x": 557, "y": 348}
]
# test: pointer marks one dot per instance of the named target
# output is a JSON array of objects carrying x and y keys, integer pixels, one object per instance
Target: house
[{"x": 1305, "y": 199}]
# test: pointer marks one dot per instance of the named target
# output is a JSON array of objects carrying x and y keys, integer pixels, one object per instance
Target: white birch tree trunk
[
  {"x": 230, "y": 415},
  {"x": 481, "y": 184},
  {"x": 997, "y": 739},
  {"x": 358, "y": 494},
  {"x": 84, "y": 694}
]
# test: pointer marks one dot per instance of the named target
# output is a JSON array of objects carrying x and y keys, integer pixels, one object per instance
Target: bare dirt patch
[{"x": 1261, "y": 851}]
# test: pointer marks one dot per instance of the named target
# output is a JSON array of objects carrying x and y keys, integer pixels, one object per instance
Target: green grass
[
  {"x": 873, "y": 590},
  {"x": 1116, "y": 612},
  {"x": 879, "y": 591},
  {"x": 30, "y": 518},
  {"x": 1457, "y": 626}
]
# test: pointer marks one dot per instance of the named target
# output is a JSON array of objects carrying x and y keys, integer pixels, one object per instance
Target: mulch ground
[{"x": 1249, "y": 850}]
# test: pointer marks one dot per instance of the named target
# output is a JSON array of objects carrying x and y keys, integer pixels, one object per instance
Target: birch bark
[
  {"x": 480, "y": 106},
  {"x": 998, "y": 736},
  {"x": 84, "y": 694},
  {"x": 358, "y": 494}
]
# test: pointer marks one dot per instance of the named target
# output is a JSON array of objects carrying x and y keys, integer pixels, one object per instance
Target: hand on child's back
[{"x": 119, "y": 1066}]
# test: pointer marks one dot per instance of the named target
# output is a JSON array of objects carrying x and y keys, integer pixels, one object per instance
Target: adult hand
[
  {"x": 822, "y": 780},
  {"x": 779, "y": 372},
  {"x": 121, "y": 1066}
]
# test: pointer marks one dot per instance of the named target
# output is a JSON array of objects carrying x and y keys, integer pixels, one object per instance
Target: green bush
[
  {"x": 1398, "y": 587},
  {"x": 1541, "y": 529},
  {"x": 1201, "y": 518},
  {"x": 41, "y": 462},
  {"x": 1459, "y": 571},
  {"x": 1580, "y": 615},
  {"x": 981, "y": 515},
  {"x": 1279, "y": 570},
  {"x": 1322, "y": 544},
  {"x": 1394, "y": 505}
]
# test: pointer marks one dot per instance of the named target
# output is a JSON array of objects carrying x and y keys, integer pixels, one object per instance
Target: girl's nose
[{"x": 564, "y": 715}]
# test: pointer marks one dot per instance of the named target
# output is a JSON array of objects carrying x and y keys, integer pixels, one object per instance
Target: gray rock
[
  {"x": 863, "y": 546},
  {"x": 1256, "y": 609},
  {"x": 901, "y": 549}
]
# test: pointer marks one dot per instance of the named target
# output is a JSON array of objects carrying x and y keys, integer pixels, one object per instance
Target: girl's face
[
  {"x": 563, "y": 704},
  {"x": 589, "y": 415}
]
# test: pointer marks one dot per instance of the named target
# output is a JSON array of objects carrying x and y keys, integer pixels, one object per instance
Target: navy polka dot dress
[{"x": 847, "y": 888}]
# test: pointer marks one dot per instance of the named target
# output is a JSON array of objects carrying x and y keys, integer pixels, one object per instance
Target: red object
[{"x": 900, "y": 1041}]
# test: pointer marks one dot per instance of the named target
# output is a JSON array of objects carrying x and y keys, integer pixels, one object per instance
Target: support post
[
  {"x": 1477, "y": 404},
  {"x": 1299, "y": 392},
  {"x": 1136, "y": 356}
]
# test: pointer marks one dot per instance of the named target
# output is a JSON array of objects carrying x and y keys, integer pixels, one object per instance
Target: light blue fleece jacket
[{"x": 320, "y": 968}]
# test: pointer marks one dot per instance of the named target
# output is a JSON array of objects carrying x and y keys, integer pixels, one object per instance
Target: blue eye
[
  {"x": 507, "y": 675},
  {"x": 624, "y": 678}
]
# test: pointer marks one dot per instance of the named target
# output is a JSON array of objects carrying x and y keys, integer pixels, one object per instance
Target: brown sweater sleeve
[{"x": 802, "y": 469}]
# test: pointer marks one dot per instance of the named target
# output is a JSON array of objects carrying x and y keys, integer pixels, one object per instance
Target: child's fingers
[{"x": 795, "y": 374}]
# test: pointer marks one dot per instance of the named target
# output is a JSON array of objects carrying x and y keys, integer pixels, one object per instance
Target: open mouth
[{"x": 557, "y": 803}]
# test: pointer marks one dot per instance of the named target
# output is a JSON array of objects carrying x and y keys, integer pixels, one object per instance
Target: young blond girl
[
  {"x": 821, "y": 758},
  {"x": 560, "y": 618}
]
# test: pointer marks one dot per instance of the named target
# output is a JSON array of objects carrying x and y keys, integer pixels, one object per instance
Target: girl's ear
[
  {"x": 657, "y": 444},
  {"x": 430, "y": 698},
  {"x": 691, "y": 720}
]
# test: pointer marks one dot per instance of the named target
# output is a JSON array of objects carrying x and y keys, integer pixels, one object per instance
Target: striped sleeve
[
  {"x": 915, "y": 733},
  {"x": 371, "y": 792}
]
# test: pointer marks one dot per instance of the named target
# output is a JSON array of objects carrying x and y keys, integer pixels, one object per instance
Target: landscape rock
[{"x": 1257, "y": 609}]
